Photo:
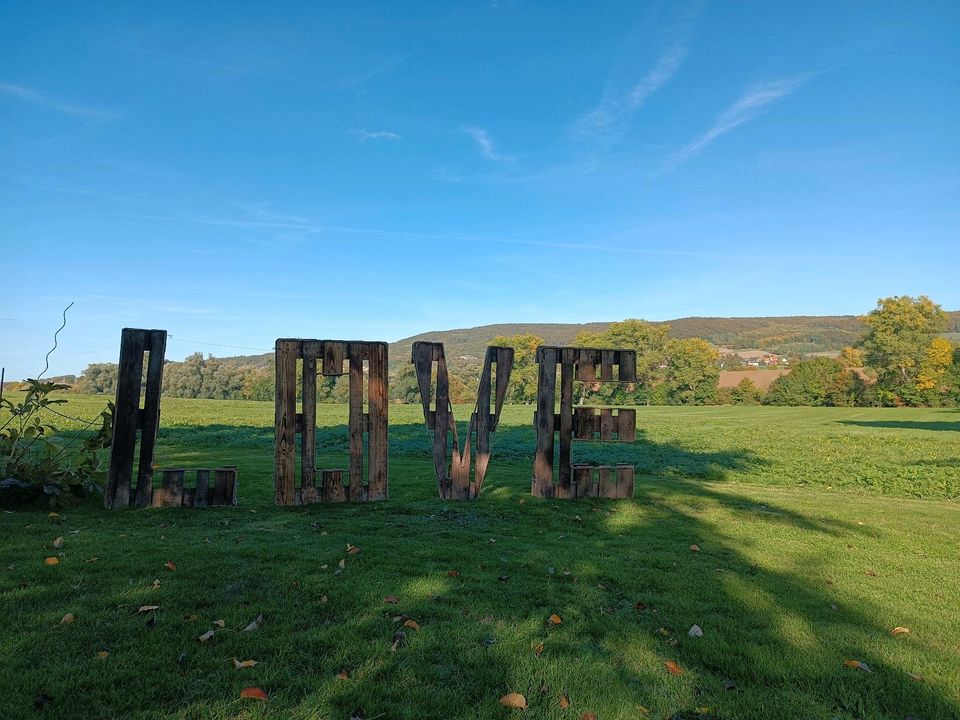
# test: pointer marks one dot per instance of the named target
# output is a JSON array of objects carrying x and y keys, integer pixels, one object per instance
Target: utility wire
[{"x": 233, "y": 347}]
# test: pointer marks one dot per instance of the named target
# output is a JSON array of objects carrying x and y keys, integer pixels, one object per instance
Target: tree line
[{"x": 901, "y": 358}]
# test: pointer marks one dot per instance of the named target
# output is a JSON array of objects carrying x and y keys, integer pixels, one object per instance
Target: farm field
[{"x": 796, "y": 538}]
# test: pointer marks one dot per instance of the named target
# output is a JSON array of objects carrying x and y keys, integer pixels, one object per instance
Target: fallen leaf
[
  {"x": 564, "y": 702},
  {"x": 588, "y": 716},
  {"x": 672, "y": 667},
  {"x": 148, "y": 608},
  {"x": 857, "y": 665},
  {"x": 169, "y": 565},
  {"x": 93, "y": 559},
  {"x": 916, "y": 676},
  {"x": 52, "y": 561},
  {"x": 323, "y": 599},
  {"x": 695, "y": 631},
  {"x": 870, "y": 573},
  {"x": 191, "y": 617},
  {"x": 220, "y": 623},
  {"x": 156, "y": 584},
  {"x": 453, "y": 573},
  {"x": 899, "y": 630},
  {"x": 243, "y": 663},
  {"x": 206, "y": 636},
  {"x": 53, "y": 515},
  {"x": 68, "y": 619},
  {"x": 399, "y": 640},
  {"x": 255, "y": 625},
  {"x": 58, "y": 543},
  {"x": 538, "y": 649},
  {"x": 391, "y": 599},
  {"x": 342, "y": 564},
  {"x": 343, "y": 675},
  {"x": 514, "y": 700},
  {"x": 352, "y": 549},
  {"x": 694, "y": 548},
  {"x": 103, "y": 655},
  {"x": 555, "y": 619},
  {"x": 254, "y": 693},
  {"x": 412, "y": 624}
]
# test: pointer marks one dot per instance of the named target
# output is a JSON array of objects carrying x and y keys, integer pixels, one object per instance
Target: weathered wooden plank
[
  {"x": 608, "y": 358},
  {"x": 308, "y": 437},
  {"x": 583, "y": 423},
  {"x": 607, "y": 424},
  {"x": 583, "y": 481},
  {"x": 285, "y": 420},
  {"x": 607, "y": 482},
  {"x": 568, "y": 358},
  {"x": 627, "y": 366},
  {"x": 625, "y": 480},
  {"x": 125, "y": 418},
  {"x": 483, "y": 421},
  {"x": 626, "y": 424},
  {"x": 223, "y": 485},
  {"x": 156, "y": 343},
  {"x": 542, "y": 481},
  {"x": 443, "y": 420},
  {"x": 333, "y": 355},
  {"x": 175, "y": 491},
  {"x": 422, "y": 359},
  {"x": 504, "y": 358},
  {"x": 355, "y": 422},
  {"x": 200, "y": 497},
  {"x": 334, "y": 491},
  {"x": 378, "y": 425}
]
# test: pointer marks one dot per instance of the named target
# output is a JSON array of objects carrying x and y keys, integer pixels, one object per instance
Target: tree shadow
[
  {"x": 620, "y": 574},
  {"x": 936, "y": 425}
]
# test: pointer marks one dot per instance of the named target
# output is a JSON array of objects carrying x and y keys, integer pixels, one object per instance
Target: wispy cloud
[
  {"x": 750, "y": 105},
  {"x": 365, "y": 135},
  {"x": 482, "y": 138},
  {"x": 610, "y": 118},
  {"x": 39, "y": 98}
]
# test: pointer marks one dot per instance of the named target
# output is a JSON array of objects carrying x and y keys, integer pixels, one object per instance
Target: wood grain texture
[{"x": 285, "y": 421}]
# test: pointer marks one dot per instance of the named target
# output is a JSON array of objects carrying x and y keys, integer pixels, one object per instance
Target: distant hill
[{"x": 801, "y": 334}]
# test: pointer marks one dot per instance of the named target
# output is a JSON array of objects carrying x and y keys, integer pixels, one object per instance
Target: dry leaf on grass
[
  {"x": 588, "y": 716},
  {"x": 672, "y": 667},
  {"x": 255, "y": 625},
  {"x": 93, "y": 559},
  {"x": 900, "y": 630},
  {"x": 915, "y": 676},
  {"x": 156, "y": 584},
  {"x": 68, "y": 619},
  {"x": 694, "y": 548},
  {"x": 695, "y": 631},
  {"x": 254, "y": 693},
  {"x": 555, "y": 619},
  {"x": 206, "y": 636},
  {"x": 52, "y": 561},
  {"x": 103, "y": 655},
  {"x": 538, "y": 649},
  {"x": 391, "y": 599},
  {"x": 343, "y": 675},
  {"x": 857, "y": 665},
  {"x": 148, "y": 608},
  {"x": 412, "y": 624},
  {"x": 220, "y": 623},
  {"x": 58, "y": 543},
  {"x": 514, "y": 700},
  {"x": 564, "y": 702},
  {"x": 352, "y": 549},
  {"x": 243, "y": 663},
  {"x": 453, "y": 573},
  {"x": 169, "y": 565}
]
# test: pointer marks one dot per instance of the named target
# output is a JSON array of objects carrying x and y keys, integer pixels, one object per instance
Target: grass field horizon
[{"x": 818, "y": 530}]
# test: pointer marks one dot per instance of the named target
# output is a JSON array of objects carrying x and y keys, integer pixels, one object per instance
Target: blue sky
[{"x": 235, "y": 173}]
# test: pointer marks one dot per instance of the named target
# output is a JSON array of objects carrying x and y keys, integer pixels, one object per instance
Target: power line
[{"x": 233, "y": 347}]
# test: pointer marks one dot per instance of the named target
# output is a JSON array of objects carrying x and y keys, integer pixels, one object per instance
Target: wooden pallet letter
[{"x": 453, "y": 479}]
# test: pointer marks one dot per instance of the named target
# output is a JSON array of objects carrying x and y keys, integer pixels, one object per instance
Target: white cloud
[
  {"x": 39, "y": 98},
  {"x": 751, "y": 104},
  {"x": 365, "y": 135},
  {"x": 485, "y": 143}
]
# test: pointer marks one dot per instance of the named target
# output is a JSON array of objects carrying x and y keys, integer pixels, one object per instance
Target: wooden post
[
  {"x": 568, "y": 358},
  {"x": 355, "y": 421},
  {"x": 308, "y": 437},
  {"x": 542, "y": 482},
  {"x": 377, "y": 430},
  {"x": 203, "y": 485},
  {"x": 285, "y": 421}
]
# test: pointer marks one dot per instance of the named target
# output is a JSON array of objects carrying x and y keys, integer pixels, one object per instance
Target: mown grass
[{"x": 791, "y": 579}]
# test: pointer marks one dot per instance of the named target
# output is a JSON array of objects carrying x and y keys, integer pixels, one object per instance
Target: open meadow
[{"x": 797, "y": 539}]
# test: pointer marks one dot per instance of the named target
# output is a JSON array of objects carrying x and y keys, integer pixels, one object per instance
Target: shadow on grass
[
  {"x": 935, "y": 425},
  {"x": 621, "y": 574}
]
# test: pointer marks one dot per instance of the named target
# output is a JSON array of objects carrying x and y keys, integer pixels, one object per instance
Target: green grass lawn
[{"x": 819, "y": 530}]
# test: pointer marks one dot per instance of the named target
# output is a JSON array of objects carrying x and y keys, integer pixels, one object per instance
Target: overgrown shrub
[{"x": 36, "y": 464}]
